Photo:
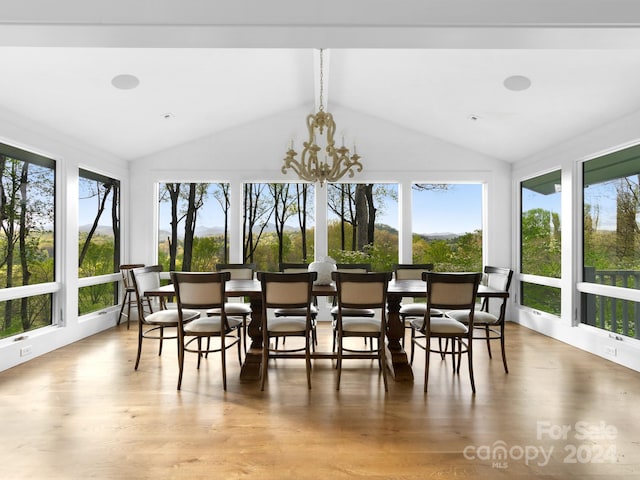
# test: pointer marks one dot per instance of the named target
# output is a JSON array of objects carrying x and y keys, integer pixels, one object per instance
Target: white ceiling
[{"x": 56, "y": 78}]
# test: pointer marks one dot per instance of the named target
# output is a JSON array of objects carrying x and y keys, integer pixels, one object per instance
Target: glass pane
[
  {"x": 540, "y": 297},
  {"x": 540, "y": 225},
  {"x": 362, "y": 223},
  {"x": 25, "y": 314},
  {"x": 27, "y": 222},
  {"x": 447, "y": 226},
  {"x": 278, "y": 224},
  {"x": 193, "y": 226},
  {"x": 99, "y": 214},
  {"x": 27, "y": 236},
  {"x": 611, "y": 237},
  {"x": 96, "y": 297},
  {"x": 611, "y": 208}
]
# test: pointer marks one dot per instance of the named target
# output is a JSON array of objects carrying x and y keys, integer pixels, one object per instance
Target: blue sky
[{"x": 457, "y": 210}]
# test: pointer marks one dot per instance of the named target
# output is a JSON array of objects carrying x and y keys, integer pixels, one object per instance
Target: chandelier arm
[{"x": 337, "y": 161}]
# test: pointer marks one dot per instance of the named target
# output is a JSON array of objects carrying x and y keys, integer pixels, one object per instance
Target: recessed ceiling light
[
  {"x": 167, "y": 116},
  {"x": 517, "y": 83},
  {"x": 125, "y": 81},
  {"x": 474, "y": 118}
]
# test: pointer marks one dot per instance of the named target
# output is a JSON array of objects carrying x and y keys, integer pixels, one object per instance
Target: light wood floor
[{"x": 83, "y": 412}]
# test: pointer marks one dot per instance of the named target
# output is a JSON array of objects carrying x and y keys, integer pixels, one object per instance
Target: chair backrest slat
[
  {"x": 411, "y": 271},
  {"x": 200, "y": 290},
  {"x": 452, "y": 291},
  {"x": 287, "y": 290},
  {"x": 238, "y": 271},
  {"x": 362, "y": 290}
]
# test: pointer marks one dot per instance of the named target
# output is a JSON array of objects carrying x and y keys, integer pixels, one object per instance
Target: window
[
  {"x": 611, "y": 239},
  {"x": 447, "y": 226},
  {"x": 363, "y": 223},
  {"x": 540, "y": 245},
  {"x": 193, "y": 226},
  {"x": 27, "y": 240},
  {"x": 99, "y": 239},
  {"x": 278, "y": 224}
]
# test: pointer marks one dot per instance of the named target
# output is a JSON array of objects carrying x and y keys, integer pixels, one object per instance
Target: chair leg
[
  {"x": 504, "y": 355},
  {"x": 383, "y": 362},
  {"x": 413, "y": 339},
  {"x": 161, "y": 341},
  {"x": 244, "y": 333},
  {"x": 470, "y": 355},
  {"x": 426, "y": 362},
  {"x": 223, "y": 354},
  {"x": 307, "y": 354},
  {"x": 240, "y": 345},
  {"x": 487, "y": 331},
  {"x": 339, "y": 362},
  {"x": 139, "y": 344},
  {"x": 180, "y": 361},
  {"x": 124, "y": 302},
  {"x": 265, "y": 358},
  {"x": 200, "y": 350},
  {"x": 128, "y": 310}
]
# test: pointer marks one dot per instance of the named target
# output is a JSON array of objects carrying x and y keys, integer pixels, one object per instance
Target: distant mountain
[
  {"x": 104, "y": 230},
  {"x": 439, "y": 236},
  {"x": 210, "y": 231}
]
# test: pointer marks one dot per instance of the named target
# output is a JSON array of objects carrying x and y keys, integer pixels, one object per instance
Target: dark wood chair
[
  {"x": 237, "y": 306},
  {"x": 354, "y": 312},
  {"x": 447, "y": 291},
  {"x": 488, "y": 325},
  {"x": 288, "y": 291},
  {"x": 362, "y": 291},
  {"x": 159, "y": 323},
  {"x": 409, "y": 307},
  {"x": 204, "y": 291},
  {"x": 285, "y": 312}
]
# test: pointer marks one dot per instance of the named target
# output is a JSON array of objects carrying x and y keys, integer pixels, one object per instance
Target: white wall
[
  {"x": 70, "y": 154},
  {"x": 255, "y": 152},
  {"x": 567, "y": 156}
]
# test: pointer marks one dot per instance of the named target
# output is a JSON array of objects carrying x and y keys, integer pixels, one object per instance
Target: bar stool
[{"x": 129, "y": 291}]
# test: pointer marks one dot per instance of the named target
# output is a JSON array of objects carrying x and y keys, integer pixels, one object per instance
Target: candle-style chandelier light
[{"x": 337, "y": 162}]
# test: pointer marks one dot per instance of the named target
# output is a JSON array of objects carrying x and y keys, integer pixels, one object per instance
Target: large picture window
[
  {"x": 363, "y": 223},
  {"x": 611, "y": 240},
  {"x": 447, "y": 226},
  {"x": 27, "y": 239},
  {"x": 99, "y": 239},
  {"x": 540, "y": 241},
  {"x": 193, "y": 226},
  {"x": 278, "y": 224}
]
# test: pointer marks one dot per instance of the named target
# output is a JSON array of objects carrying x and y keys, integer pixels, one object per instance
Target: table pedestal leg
[
  {"x": 397, "y": 360},
  {"x": 251, "y": 367}
]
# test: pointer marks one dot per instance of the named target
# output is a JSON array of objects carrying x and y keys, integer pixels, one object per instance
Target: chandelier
[{"x": 337, "y": 160}]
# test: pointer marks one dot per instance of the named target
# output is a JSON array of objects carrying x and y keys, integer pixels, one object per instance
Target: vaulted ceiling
[{"x": 433, "y": 67}]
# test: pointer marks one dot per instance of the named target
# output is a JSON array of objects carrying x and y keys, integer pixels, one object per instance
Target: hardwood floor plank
[{"x": 83, "y": 412}]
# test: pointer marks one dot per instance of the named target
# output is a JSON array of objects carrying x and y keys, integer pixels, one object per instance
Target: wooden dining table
[{"x": 397, "y": 360}]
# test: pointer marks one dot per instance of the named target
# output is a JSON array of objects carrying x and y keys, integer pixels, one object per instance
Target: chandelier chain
[
  {"x": 321, "y": 106},
  {"x": 321, "y": 128}
]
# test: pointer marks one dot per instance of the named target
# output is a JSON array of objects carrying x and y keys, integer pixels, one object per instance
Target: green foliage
[
  {"x": 459, "y": 254},
  {"x": 541, "y": 247}
]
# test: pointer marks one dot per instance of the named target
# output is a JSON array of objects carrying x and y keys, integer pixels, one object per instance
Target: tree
[
  {"x": 284, "y": 207},
  {"x": 302, "y": 191},
  {"x": 257, "y": 213},
  {"x": 101, "y": 192},
  {"x": 195, "y": 200},
  {"x": 221, "y": 194},
  {"x": 173, "y": 192}
]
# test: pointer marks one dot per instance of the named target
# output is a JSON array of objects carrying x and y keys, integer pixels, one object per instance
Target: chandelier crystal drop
[{"x": 338, "y": 161}]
